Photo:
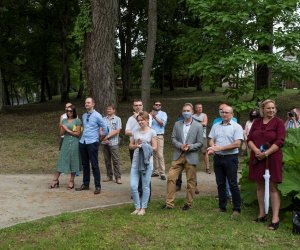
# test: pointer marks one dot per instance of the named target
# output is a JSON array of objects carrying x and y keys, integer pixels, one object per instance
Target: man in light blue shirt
[
  {"x": 226, "y": 138},
  {"x": 89, "y": 144},
  {"x": 159, "y": 122}
]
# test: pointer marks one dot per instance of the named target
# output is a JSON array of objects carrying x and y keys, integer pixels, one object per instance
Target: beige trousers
[
  {"x": 158, "y": 157},
  {"x": 177, "y": 167}
]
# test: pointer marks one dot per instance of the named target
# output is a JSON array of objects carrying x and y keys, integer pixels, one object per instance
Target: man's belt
[{"x": 223, "y": 156}]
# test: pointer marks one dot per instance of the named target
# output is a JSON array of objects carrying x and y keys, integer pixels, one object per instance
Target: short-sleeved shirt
[
  {"x": 145, "y": 137},
  {"x": 132, "y": 124},
  {"x": 200, "y": 118},
  {"x": 92, "y": 122},
  {"x": 224, "y": 135},
  {"x": 113, "y": 124},
  {"x": 160, "y": 130}
]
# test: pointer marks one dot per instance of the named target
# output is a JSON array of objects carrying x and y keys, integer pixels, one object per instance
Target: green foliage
[
  {"x": 83, "y": 23},
  {"x": 291, "y": 158},
  {"x": 248, "y": 189}
]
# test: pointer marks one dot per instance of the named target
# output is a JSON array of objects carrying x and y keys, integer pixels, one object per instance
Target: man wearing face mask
[{"x": 187, "y": 139}]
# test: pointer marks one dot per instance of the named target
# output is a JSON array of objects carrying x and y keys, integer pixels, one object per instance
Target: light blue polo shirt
[
  {"x": 163, "y": 117},
  {"x": 92, "y": 122},
  {"x": 224, "y": 135}
]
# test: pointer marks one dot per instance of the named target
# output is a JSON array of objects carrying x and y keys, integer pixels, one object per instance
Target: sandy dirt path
[{"x": 27, "y": 197}]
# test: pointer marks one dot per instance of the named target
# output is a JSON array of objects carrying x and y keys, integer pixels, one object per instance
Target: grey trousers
[{"x": 111, "y": 157}]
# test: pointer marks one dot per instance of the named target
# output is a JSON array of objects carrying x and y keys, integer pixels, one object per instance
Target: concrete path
[{"x": 27, "y": 197}]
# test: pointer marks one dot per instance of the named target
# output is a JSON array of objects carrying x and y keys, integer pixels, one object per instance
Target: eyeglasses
[
  {"x": 138, "y": 105},
  {"x": 157, "y": 104},
  {"x": 69, "y": 111}
]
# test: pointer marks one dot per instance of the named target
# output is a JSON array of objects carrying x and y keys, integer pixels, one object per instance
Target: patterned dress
[{"x": 69, "y": 160}]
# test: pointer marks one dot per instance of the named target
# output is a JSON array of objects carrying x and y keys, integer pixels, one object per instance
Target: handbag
[{"x": 296, "y": 222}]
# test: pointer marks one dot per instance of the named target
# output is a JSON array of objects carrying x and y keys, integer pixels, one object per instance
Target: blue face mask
[{"x": 186, "y": 115}]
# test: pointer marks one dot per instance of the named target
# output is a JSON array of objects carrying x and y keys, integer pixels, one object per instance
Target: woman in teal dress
[{"x": 68, "y": 161}]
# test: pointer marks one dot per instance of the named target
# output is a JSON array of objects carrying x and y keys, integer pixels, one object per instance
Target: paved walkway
[{"x": 27, "y": 197}]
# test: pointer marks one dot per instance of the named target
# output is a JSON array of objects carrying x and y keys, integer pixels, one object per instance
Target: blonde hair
[
  {"x": 188, "y": 104},
  {"x": 263, "y": 104}
]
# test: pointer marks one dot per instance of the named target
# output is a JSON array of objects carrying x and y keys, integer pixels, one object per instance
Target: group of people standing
[{"x": 189, "y": 136}]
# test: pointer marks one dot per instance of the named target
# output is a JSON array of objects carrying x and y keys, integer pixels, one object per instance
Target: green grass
[{"x": 114, "y": 228}]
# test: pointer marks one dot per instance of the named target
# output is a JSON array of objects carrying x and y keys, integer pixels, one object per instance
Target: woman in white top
[{"x": 148, "y": 136}]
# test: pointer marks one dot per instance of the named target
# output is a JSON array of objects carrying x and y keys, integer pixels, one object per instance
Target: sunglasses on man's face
[{"x": 69, "y": 111}]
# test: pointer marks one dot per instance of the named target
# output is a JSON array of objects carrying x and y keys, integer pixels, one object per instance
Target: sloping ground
[{"x": 27, "y": 197}]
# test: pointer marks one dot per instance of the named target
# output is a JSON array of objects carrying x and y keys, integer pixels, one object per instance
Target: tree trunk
[
  {"x": 44, "y": 78},
  {"x": 65, "y": 60},
  {"x": 199, "y": 81},
  {"x": 263, "y": 71},
  {"x": 81, "y": 87},
  {"x": 1, "y": 92},
  {"x": 148, "y": 61},
  {"x": 6, "y": 92},
  {"x": 99, "y": 53}
]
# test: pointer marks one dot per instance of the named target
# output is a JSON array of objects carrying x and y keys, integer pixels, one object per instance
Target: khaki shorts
[{"x": 204, "y": 146}]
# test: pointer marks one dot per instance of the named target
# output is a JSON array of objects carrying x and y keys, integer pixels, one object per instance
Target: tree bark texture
[
  {"x": 1, "y": 92},
  {"x": 99, "y": 53},
  {"x": 148, "y": 61},
  {"x": 263, "y": 71},
  {"x": 65, "y": 19}
]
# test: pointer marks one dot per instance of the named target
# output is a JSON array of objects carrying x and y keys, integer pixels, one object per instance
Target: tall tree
[
  {"x": 1, "y": 92},
  {"x": 148, "y": 61},
  {"x": 99, "y": 53}
]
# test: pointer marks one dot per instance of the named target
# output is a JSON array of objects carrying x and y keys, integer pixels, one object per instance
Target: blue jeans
[
  {"x": 135, "y": 175},
  {"x": 227, "y": 167},
  {"x": 89, "y": 153}
]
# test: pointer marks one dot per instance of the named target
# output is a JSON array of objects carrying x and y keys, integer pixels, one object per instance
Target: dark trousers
[
  {"x": 140, "y": 187},
  {"x": 89, "y": 154},
  {"x": 227, "y": 166}
]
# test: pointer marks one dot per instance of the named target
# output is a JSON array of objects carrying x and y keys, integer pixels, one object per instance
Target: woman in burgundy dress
[{"x": 267, "y": 132}]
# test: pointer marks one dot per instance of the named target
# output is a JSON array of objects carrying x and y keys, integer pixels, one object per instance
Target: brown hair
[{"x": 144, "y": 115}]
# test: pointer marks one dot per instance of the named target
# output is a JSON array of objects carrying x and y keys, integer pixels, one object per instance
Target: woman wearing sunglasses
[{"x": 68, "y": 161}]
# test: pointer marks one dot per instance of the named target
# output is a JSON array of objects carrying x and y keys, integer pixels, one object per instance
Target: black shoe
[
  {"x": 178, "y": 188},
  {"x": 220, "y": 210},
  {"x": 186, "y": 207},
  {"x": 162, "y": 177},
  {"x": 82, "y": 187},
  {"x": 273, "y": 226},
  {"x": 97, "y": 190},
  {"x": 261, "y": 219},
  {"x": 166, "y": 207},
  {"x": 154, "y": 175}
]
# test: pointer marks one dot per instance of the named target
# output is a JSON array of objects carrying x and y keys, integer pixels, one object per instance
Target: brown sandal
[{"x": 207, "y": 171}]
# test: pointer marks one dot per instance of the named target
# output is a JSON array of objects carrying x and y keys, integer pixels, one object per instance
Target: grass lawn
[{"x": 115, "y": 228}]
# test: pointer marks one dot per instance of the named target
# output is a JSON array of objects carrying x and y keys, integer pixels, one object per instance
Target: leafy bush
[{"x": 290, "y": 187}]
